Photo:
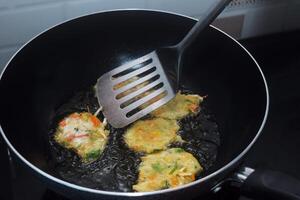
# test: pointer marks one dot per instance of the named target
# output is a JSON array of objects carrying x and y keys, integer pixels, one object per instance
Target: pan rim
[{"x": 137, "y": 194}]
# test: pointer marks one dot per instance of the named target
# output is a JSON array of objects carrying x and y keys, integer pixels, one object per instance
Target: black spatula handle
[{"x": 208, "y": 17}]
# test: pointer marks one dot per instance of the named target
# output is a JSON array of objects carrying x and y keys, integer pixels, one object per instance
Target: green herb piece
[
  {"x": 166, "y": 185},
  {"x": 93, "y": 154},
  {"x": 157, "y": 167},
  {"x": 175, "y": 167},
  {"x": 179, "y": 150}
]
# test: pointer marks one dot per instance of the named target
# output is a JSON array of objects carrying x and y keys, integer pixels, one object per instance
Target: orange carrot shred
[
  {"x": 95, "y": 120},
  {"x": 193, "y": 177},
  {"x": 174, "y": 181}
]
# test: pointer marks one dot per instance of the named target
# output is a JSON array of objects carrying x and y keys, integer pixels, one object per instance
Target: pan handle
[{"x": 268, "y": 184}]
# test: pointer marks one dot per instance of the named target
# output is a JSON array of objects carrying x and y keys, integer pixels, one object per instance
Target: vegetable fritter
[
  {"x": 166, "y": 169},
  {"x": 83, "y": 133},
  {"x": 151, "y": 135},
  {"x": 179, "y": 107}
]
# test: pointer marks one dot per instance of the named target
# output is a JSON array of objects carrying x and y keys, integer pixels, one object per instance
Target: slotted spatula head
[
  {"x": 133, "y": 90},
  {"x": 136, "y": 88}
]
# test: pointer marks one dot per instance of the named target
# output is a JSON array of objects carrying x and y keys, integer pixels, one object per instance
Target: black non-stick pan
[{"x": 50, "y": 68}]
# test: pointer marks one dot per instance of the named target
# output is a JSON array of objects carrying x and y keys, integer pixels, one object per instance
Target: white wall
[{"x": 22, "y": 19}]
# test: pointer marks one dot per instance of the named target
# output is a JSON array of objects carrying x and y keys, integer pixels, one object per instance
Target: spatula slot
[
  {"x": 140, "y": 91},
  {"x": 142, "y": 95},
  {"x": 134, "y": 73},
  {"x": 132, "y": 68},
  {"x": 148, "y": 103},
  {"x": 136, "y": 87},
  {"x": 133, "y": 79}
]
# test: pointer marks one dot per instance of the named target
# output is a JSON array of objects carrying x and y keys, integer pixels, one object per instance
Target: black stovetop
[{"x": 277, "y": 148}]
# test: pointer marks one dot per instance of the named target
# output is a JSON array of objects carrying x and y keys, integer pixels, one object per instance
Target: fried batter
[
  {"x": 179, "y": 107},
  {"x": 84, "y": 133},
  {"x": 166, "y": 169},
  {"x": 151, "y": 135}
]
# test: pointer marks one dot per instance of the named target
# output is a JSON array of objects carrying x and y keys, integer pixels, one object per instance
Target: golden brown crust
[
  {"x": 151, "y": 135},
  {"x": 166, "y": 169},
  {"x": 179, "y": 107}
]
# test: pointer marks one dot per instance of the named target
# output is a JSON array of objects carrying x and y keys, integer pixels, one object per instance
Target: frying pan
[{"x": 47, "y": 70}]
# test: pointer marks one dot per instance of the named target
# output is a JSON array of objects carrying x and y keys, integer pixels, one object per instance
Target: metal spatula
[{"x": 140, "y": 86}]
